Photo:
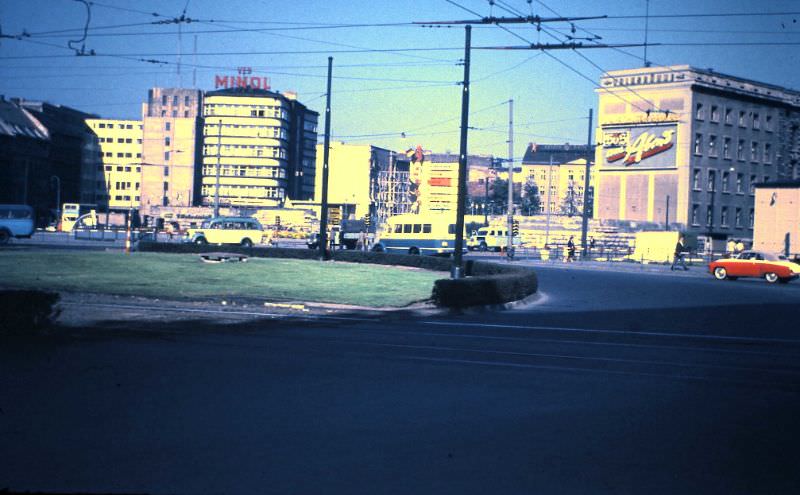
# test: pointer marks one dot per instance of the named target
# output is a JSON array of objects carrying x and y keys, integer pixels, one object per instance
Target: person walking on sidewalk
[
  {"x": 571, "y": 249},
  {"x": 680, "y": 251}
]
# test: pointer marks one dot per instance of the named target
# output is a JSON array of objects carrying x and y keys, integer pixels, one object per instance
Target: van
[
  {"x": 244, "y": 231},
  {"x": 493, "y": 238},
  {"x": 15, "y": 221}
]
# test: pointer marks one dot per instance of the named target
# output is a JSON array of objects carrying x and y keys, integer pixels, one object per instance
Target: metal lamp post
[{"x": 58, "y": 196}]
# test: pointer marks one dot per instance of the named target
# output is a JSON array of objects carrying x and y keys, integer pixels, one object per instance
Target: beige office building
[
  {"x": 262, "y": 146},
  {"x": 686, "y": 146},
  {"x": 117, "y": 184},
  {"x": 170, "y": 149}
]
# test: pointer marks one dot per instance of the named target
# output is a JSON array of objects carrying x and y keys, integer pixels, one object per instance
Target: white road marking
[{"x": 728, "y": 338}]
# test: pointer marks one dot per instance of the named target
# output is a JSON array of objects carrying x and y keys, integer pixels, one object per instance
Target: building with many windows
[
  {"x": 172, "y": 128},
  {"x": 559, "y": 173},
  {"x": 117, "y": 184},
  {"x": 685, "y": 145},
  {"x": 260, "y": 144}
]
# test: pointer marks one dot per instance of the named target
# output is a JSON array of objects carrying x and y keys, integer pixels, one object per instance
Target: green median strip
[{"x": 185, "y": 276}]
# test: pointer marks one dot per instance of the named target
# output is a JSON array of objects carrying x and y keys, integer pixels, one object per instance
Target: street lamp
[{"x": 58, "y": 196}]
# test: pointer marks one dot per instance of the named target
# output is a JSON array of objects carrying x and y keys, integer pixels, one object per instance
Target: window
[
  {"x": 174, "y": 99},
  {"x": 752, "y": 218},
  {"x": 714, "y": 113},
  {"x": 696, "y": 179},
  {"x": 163, "y": 99},
  {"x": 174, "y": 112},
  {"x": 128, "y": 126},
  {"x": 753, "y": 180},
  {"x": 129, "y": 140},
  {"x": 695, "y": 211},
  {"x": 108, "y": 168},
  {"x": 167, "y": 126},
  {"x": 726, "y": 178},
  {"x": 728, "y": 116},
  {"x": 163, "y": 113},
  {"x": 740, "y": 150},
  {"x": 723, "y": 216},
  {"x": 406, "y": 228},
  {"x": 167, "y": 141},
  {"x": 699, "y": 112},
  {"x": 712, "y": 176},
  {"x": 110, "y": 126},
  {"x": 756, "y": 122},
  {"x": 767, "y": 153},
  {"x": 186, "y": 100},
  {"x": 128, "y": 155},
  {"x": 417, "y": 228},
  {"x": 186, "y": 113},
  {"x": 101, "y": 125},
  {"x": 726, "y": 148},
  {"x": 738, "y": 218},
  {"x": 768, "y": 120},
  {"x": 709, "y": 216},
  {"x": 166, "y": 156},
  {"x": 166, "y": 171},
  {"x": 712, "y": 145},
  {"x": 166, "y": 186},
  {"x": 740, "y": 183},
  {"x": 698, "y": 144},
  {"x": 754, "y": 151},
  {"x": 398, "y": 228},
  {"x": 120, "y": 155},
  {"x": 120, "y": 140},
  {"x": 742, "y": 119},
  {"x": 426, "y": 228}
]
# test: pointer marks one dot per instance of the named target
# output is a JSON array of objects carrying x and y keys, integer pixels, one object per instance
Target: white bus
[{"x": 432, "y": 233}]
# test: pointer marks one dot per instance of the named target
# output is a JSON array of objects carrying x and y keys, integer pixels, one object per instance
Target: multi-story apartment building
[
  {"x": 171, "y": 147},
  {"x": 684, "y": 145},
  {"x": 118, "y": 178},
  {"x": 559, "y": 173},
  {"x": 260, "y": 144}
]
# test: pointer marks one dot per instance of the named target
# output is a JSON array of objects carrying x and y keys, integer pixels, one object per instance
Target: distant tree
[{"x": 531, "y": 202}]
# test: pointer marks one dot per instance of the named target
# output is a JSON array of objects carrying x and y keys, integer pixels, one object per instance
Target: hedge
[
  {"x": 484, "y": 283},
  {"x": 27, "y": 311}
]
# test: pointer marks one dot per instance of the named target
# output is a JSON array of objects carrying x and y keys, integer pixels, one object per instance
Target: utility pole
[
  {"x": 216, "y": 186},
  {"x": 549, "y": 187},
  {"x": 510, "y": 245},
  {"x": 323, "y": 221},
  {"x": 586, "y": 183},
  {"x": 462, "y": 161}
]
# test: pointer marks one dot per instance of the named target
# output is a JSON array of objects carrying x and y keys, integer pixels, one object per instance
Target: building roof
[
  {"x": 560, "y": 153},
  {"x": 16, "y": 122},
  {"x": 782, "y": 184}
]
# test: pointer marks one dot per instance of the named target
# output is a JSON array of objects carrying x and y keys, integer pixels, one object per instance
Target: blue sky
[{"x": 380, "y": 95}]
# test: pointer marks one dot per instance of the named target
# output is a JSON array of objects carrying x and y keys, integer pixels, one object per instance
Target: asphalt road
[{"x": 612, "y": 382}]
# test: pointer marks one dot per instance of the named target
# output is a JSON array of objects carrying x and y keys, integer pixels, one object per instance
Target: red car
[{"x": 755, "y": 264}]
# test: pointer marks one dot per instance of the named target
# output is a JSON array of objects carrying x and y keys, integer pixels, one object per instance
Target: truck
[{"x": 351, "y": 229}]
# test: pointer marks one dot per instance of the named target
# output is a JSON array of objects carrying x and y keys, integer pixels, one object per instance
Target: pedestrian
[
  {"x": 361, "y": 242},
  {"x": 730, "y": 247},
  {"x": 680, "y": 251},
  {"x": 591, "y": 243},
  {"x": 739, "y": 246},
  {"x": 571, "y": 249}
]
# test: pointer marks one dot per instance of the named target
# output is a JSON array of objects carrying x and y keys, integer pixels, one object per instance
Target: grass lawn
[{"x": 185, "y": 276}]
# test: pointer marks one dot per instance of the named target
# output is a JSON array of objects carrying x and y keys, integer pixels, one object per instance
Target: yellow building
[
  {"x": 170, "y": 149},
  {"x": 261, "y": 144},
  {"x": 118, "y": 178},
  {"x": 353, "y": 174},
  {"x": 684, "y": 145},
  {"x": 561, "y": 185}
]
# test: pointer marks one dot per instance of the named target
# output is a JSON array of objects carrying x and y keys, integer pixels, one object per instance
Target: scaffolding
[{"x": 392, "y": 195}]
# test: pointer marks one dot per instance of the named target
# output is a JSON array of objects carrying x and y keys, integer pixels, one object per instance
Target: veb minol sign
[{"x": 243, "y": 80}]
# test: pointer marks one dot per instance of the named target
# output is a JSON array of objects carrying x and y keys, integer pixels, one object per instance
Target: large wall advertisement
[{"x": 634, "y": 147}]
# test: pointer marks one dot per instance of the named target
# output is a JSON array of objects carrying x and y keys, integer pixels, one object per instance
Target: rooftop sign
[{"x": 243, "y": 80}]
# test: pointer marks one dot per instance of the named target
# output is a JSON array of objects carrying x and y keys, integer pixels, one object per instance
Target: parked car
[
  {"x": 15, "y": 221},
  {"x": 244, "y": 231},
  {"x": 494, "y": 238},
  {"x": 755, "y": 264}
]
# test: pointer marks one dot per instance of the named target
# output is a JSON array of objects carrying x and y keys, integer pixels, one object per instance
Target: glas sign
[{"x": 652, "y": 146}]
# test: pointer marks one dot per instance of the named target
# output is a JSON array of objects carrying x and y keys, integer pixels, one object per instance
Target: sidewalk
[{"x": 699, "y": 269}]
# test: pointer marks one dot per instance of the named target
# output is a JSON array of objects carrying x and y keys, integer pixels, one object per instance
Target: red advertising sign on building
[{"x": 243, "y": 80}]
